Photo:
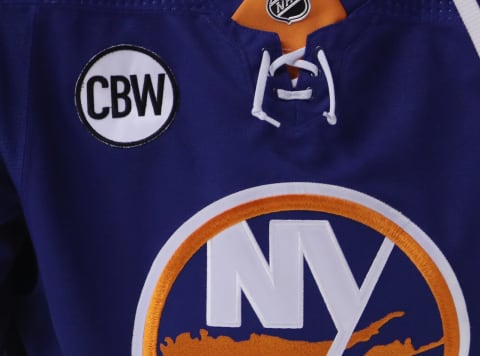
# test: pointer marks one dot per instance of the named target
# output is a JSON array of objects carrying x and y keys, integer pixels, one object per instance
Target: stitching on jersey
[
  {"x": 213, "y": 5},
  {"x": 234, "y": 45},
  {"x": 420, "y": 11},
  {"x": 28, "y": 109},
  {"x": 161, "y": 5}
]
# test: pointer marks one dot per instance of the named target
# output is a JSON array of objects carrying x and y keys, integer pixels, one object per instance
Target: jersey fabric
[{"x": 166, "y": 189}]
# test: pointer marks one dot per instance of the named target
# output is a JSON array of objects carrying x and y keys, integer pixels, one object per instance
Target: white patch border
[{"x": 279, "y": 189}]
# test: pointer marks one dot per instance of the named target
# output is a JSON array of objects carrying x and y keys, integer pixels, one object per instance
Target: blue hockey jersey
[{"x": 167, "y": 188}]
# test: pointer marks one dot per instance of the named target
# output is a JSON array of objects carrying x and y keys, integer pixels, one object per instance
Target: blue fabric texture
[{"x": 407, "y": 85}]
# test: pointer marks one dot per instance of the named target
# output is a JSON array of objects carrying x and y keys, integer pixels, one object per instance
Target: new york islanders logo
[
  {"x": 288, "y": 10},
  {"x": 345, "y": 274}
]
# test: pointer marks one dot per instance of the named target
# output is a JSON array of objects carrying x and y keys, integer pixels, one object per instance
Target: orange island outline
[{"x": 266, "y": 345}]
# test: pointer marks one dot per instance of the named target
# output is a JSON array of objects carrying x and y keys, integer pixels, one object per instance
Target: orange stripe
[{"x": 336, "y": 206}]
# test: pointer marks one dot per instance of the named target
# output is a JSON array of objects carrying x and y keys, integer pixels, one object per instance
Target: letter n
[{"x": 236, "y": 263}]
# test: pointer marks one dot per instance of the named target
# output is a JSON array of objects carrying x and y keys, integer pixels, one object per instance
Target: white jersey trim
[{"x": 469, "y": 10}]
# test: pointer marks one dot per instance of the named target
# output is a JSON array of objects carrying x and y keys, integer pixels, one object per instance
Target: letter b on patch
[{"x": 126, "y": 96}]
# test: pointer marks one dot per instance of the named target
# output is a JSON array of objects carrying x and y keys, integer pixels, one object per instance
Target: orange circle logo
[{"x": 240, "y": 207}]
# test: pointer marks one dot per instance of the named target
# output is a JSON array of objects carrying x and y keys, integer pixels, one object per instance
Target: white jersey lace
[{"x": 292, "y": 59}]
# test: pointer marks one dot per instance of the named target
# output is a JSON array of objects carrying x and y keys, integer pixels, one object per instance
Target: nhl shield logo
[{"x": 288, "y": 10}]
